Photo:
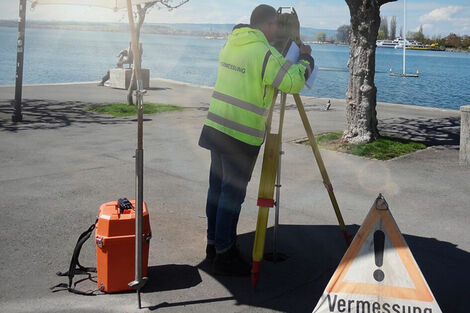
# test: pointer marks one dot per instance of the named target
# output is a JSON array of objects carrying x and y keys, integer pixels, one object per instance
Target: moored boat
[
  {"x": 387, "y": 43},
  {"x": 432, "y": 47},
  {"x": 409, "y": 45}
]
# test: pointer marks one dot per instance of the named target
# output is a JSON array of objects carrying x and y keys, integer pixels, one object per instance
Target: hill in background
[{"x": 215, "y": 30}]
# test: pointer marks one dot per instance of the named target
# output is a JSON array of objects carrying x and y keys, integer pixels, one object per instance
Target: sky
[{"x": 438, "y": 17}]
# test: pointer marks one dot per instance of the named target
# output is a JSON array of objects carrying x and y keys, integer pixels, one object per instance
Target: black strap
[
  {"x": 75, "y": 266},
  {"x": 265, "y": 63}
]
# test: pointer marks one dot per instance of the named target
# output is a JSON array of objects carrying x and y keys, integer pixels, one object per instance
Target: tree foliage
[
  {"x": 342, "y": 33},
  {"x": 384, "y": 26},
  {"x": 452, "y": 40},
  {"x": 465, "y": 41},
  {"x": 381, "y": 35},
  {"x": 419, "y": 36},
  {"x": 393, "y": 28},
  {"x": 321, "y": 37}
]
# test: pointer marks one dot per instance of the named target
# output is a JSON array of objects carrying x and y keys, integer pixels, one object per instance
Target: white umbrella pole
[
  {"x": 404, "y": 37},
  {"x": 139, "y": 281}
]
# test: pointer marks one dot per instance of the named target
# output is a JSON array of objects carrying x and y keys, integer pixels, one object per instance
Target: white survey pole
[{"x": 139, "y": 281}]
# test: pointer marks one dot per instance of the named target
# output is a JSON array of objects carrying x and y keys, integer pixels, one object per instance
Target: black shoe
[
  {"x": 210, "y": 253},
  {"x": 230, "y": 263}
]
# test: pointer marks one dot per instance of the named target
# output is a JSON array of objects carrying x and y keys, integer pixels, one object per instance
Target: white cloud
[
  {"x": 441, "y": 14},
  {"x": 454, "y": 16},
  {"x": 245, "y": 19},
  {"x": 74, "y": 13},
  {"x": 440, "y": 19},
  {"x": 428, "y": 28},
  {"x": 203, "y": 12},
  {"x": 444, "y": 20},
  {"x": 322, "y": 15}
]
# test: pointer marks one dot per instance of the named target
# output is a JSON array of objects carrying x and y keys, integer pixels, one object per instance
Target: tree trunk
[
  {"x": 361, "y": 96},
  {"x": 141, "y": 12}
]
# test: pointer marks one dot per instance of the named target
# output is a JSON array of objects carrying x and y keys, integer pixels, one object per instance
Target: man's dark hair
[{"x": 262, "y": 14}]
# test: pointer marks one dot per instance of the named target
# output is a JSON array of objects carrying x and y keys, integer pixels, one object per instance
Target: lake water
[{"x": 57, "y": 56}]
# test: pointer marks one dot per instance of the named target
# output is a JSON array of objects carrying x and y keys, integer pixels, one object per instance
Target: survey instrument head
[{"x": 289, "y": 29}]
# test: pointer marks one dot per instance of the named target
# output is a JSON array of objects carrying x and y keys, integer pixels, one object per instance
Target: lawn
[
  {"x": 123, "y": 109},
  {"x": 384, "y": 148}
]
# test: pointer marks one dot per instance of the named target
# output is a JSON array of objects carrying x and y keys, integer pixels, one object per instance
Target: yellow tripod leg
[
  {"x": 321, "y": 166},
  {"x": 266, "y": 187},
  {"x": 265, "y": 200}
]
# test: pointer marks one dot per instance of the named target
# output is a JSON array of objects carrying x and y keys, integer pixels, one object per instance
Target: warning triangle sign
[{"x": 378, "y": 272}]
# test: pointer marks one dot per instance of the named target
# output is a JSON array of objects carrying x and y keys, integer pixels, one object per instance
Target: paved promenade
[{"x": 62, "y": 163}]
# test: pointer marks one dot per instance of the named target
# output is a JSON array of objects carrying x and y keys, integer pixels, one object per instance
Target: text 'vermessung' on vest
[{"x": 233, "y": 67}]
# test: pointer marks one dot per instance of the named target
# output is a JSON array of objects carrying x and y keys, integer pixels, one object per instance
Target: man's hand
[{"x": 305, "y": 49}]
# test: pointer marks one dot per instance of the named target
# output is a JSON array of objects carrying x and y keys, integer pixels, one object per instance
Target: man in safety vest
[{"x": 250, "y": 70}]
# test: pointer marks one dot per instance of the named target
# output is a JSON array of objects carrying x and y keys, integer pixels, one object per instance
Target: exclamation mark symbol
[{"x": 379, "y": 242}]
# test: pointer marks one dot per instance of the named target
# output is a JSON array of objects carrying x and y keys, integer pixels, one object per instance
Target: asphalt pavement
[{"x": 60, "y": 164}]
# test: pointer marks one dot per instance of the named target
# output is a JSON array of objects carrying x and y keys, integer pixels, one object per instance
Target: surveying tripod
[{"x": 270, "y": 178}]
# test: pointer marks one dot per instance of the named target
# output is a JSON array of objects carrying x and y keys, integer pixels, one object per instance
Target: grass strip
[
  {"x": 123, "y": 109},
  {"x": 384, "y": 148}
]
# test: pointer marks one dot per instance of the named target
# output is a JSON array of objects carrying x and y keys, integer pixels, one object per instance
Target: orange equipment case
[{"x": 115, "y": 246}]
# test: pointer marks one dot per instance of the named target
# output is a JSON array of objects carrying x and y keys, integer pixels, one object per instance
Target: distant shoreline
[
  {"x": 183, "y": 29},
  {"x": 111, "y": 27},
  {"x": 208, "y": 31}
]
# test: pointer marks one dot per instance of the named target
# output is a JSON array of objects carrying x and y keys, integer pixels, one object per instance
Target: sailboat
[{"x": 404, "y": 74}]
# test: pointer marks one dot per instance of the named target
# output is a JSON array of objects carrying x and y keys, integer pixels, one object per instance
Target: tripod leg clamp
[
  {"x": 267, "y": 203},
  {"x": 328, "y": 187}
]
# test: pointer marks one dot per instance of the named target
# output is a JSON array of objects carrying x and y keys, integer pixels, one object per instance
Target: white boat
[
  {"x": 408, "y": 44},
  {"x": 398, "y": 43},
  {"x": 387, "y": 43}
]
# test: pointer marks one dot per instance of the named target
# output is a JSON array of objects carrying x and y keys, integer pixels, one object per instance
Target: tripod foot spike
[{"x": 254, "y": 274}]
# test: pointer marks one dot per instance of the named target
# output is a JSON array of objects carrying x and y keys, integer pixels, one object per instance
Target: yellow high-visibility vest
[{"x": 249, "y": 71}]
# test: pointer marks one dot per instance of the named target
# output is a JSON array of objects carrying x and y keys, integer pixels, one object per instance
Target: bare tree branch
[
  {"x": 357, "y": 2},
  {"x": 167, "y": 3},
  {"x": 139, "y": 13},
  {"x": 382, "y": 2}
]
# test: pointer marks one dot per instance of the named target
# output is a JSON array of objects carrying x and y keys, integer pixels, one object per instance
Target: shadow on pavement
[
  {"x": 159, "y": 88},
  {"x": 185, "y": 303},
  {"x": 171, "y": 277},
  {"x": 431, "y": 132},
  {"x": 51, "y": 114},
  {"x": 175, "y": 277},
  {"x": 314, "y": 252},
  {"x": 296, "y": 284}
]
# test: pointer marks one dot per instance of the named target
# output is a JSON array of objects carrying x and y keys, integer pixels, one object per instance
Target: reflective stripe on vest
[
  {"x": 239, "y": 103},
  {"x": 235, "y": 126},
  {"x": 282, "y": 72}
]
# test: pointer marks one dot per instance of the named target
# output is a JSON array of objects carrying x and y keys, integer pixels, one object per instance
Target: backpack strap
[{"x": 75, "y": 266}]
